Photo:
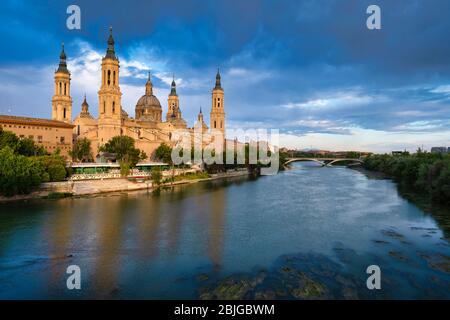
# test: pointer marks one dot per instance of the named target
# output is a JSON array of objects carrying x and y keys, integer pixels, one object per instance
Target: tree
[
  {"x": 156, "y": 176},
  {"x": 124, "y": 169},
  {"x": 55, "y": 167},
  {"x": 123, "y": 147},
  {"x": 82, "y": 150},
  {"x": 19, "y": 174},
  {"x": 28, "y": 148},
  {"x": 164, "y": 153},
  {"x": 25, "y": 146},
  {"x": 8, "y": 139}
]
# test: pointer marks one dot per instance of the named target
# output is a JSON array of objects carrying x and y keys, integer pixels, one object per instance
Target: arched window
[
  {"x": 65, "y": 89},
  {"x": 221, "y": 125},
  {"x": 104, "y": 106},
  {"x": 64, "y": 113},
  {"x": 109, "y": 77},
  {"x": 60, "y": 88},
  {"x": 114, "y": 78},
  {"x": 114, "y": 107},
  {"x": 215, "y": 126},
  {"x": 104, "y": 77}
]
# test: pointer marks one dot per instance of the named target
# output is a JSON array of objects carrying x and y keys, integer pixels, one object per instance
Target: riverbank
[
  {"x": 438, "y": 211},
  {"x": 81, "y": 188}
]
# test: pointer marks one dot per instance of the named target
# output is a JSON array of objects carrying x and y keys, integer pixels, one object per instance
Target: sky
[{"x": 311, "y": 69}]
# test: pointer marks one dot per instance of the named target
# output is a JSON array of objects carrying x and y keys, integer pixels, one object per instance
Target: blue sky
[{"x": 309, "y": 68}]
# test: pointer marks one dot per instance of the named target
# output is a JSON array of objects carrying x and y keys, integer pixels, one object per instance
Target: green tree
[
  {"x": 82, "y": 150},
  {"x": 28, "y": 147},
  {"x": 8, "y": 139},
  {"x": 123, "y": 147},
  {"x": 156, "y": 175},
  {"x": 19, "y": 174},
  {"x": 55, "y": 167},
  {"x": 124, "y": 168},
  {"x": 25, "y": 146},
  {"x": 164, "y": 153}
]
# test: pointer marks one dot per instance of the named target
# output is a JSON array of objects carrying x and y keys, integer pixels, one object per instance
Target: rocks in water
[
  {"x": 202, "y": 277},
  {"x": 436, "y": 261},
  {"x": 308, "y": 288},
  {"x": 381, "y": 241},
  {"x": 424, "y": 229},
  {"x": 392, "y": 234},
  {"x": 231, "y": 288},
  {"x": 398, "y": 255}
]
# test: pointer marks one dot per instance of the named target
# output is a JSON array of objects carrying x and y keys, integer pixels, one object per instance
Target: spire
[
  {"x": 149, "y": 86},
  {"x": 200, "y": 116},
  {"x": 62, "y": 61},
  {"x": 110, "y": 53},
  {"x": 218, "y": 85},
  {"x": 173, "y": 89},
  {"x": 84, "y": 105}
]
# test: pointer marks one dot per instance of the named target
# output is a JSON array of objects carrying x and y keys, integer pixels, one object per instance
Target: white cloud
[
  {"x": 445, "y": 89},
  {"x": 336, "y": 101}
]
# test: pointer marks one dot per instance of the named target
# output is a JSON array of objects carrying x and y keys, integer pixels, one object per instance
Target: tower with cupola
[
  {"x": 173, "y": 110},
  {"x": 217, "y": 115},
  {"x": 62, "y": 101},
  {"x": 109, "y": 96}
]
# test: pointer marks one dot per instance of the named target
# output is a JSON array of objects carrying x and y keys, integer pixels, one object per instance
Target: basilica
[{"x": 148, "y": 128}]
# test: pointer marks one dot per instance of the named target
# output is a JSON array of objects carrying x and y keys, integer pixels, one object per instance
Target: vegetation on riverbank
[
  {"x": 187, "y": 176},
  {"x": 25, "y": 165},
  {"x": 427, "y": 174}
]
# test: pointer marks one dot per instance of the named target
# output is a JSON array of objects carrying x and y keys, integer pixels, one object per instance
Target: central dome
[
  {"x": 148, "y": 102},
  {"x": 148, "y": 107}
]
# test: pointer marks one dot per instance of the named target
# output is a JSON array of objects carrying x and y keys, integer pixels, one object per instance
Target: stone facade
[{"x": 51, "y": 134}]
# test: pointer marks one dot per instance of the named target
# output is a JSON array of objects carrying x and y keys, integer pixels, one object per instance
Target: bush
[
  {"x": 57, "y": 172},
  {"x": 19, "y": 174},
  {"x": 54, "y": 165}
]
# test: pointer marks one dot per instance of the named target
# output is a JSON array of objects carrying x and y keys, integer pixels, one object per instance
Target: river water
[{"x": 309, "y": 232}]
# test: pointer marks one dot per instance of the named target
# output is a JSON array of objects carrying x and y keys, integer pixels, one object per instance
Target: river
[{"x": 309, "y": 232}]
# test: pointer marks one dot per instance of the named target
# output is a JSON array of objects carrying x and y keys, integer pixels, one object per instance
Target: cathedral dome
[
  {"x": 148, "y": 101},
  {"x": 148, "y": 107}
]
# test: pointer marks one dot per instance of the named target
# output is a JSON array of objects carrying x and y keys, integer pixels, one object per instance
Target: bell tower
[
  {"x": 217, "y": 115},
  {"x": 173, "y": 102},
  {"x": 109, "y": 96},
  {"x": 62, "y": 101}
]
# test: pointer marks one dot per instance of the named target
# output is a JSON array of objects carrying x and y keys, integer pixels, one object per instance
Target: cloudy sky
[{"x": 309, "y": 68}]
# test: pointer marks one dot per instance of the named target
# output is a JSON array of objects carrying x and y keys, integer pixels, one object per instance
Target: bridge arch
[{"x": 326, "y": 161}]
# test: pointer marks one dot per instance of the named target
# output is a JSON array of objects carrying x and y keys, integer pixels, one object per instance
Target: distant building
[
  {"x": 440, "y": 150},
  {"x": 397, "y": 153}
]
